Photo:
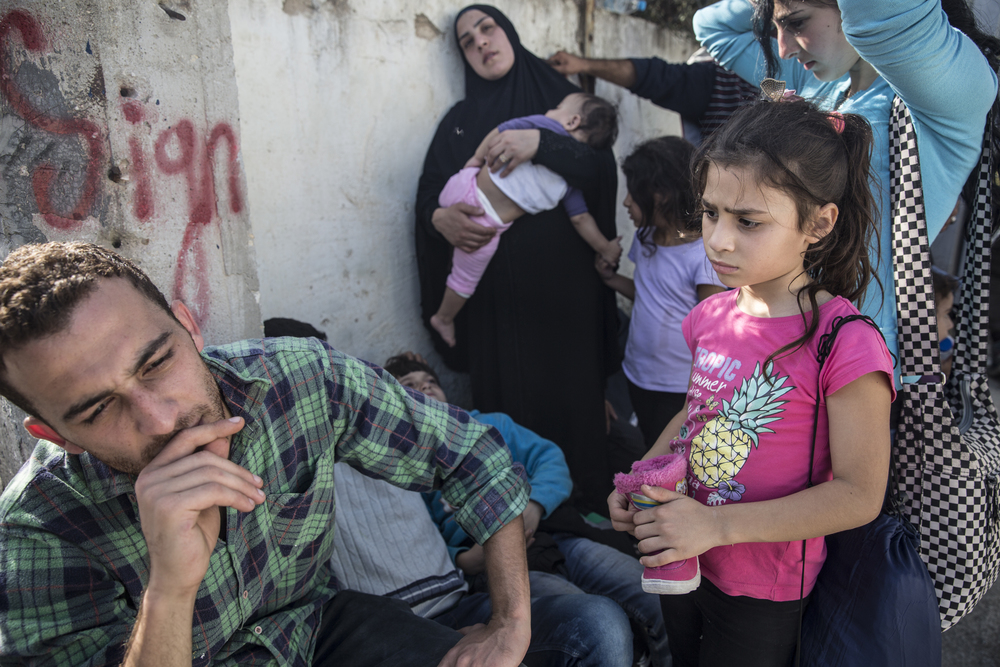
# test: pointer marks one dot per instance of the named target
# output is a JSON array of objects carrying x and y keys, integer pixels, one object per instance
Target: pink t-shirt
[{"x": 749, "y": 439}]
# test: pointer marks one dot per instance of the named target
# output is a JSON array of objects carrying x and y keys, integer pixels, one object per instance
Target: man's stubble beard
[{"x": 212, "y": 411}]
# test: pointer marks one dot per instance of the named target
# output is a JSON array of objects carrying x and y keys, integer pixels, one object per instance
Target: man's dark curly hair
[{"x": 40, "y": 286}]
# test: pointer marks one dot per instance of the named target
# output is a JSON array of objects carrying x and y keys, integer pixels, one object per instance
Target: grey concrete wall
[
  {"x": 120, "y": 125},
  {"x": 339, "y": 100}
]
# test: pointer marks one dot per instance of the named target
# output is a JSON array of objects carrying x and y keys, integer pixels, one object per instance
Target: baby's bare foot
[{"x": 445, "y": 329}]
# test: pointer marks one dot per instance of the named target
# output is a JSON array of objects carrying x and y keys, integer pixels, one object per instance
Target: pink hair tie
[{"x": 837, "y": 120}]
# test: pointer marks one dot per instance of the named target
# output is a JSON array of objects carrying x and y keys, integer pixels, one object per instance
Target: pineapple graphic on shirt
[{"x": 722, "y": 446}]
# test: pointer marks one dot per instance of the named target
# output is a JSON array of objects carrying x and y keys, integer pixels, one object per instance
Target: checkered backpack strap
[
  {"x": 947, "y": 448},
  {"x": 917, "y": 320},
  {"x": 919, "y": 356},
  {"x": 973, "y": 321}
]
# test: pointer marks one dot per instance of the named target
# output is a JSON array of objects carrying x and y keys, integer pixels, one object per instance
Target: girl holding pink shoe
[{"x": 775, "y": 448}]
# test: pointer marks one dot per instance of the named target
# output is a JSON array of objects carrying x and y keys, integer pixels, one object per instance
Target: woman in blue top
[{"x": 854, "y": 56}]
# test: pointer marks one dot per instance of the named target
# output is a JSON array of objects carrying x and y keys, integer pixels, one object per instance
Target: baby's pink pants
[{"x": 467, "y": 268}]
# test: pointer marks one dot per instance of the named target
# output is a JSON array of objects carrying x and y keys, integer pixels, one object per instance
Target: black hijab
[{"x": 530, "y": 87}]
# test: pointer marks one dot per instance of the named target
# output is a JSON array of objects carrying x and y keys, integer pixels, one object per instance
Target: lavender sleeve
[
  {"x": 533, "y": 122},
  {"x": 573, "y": 202}
]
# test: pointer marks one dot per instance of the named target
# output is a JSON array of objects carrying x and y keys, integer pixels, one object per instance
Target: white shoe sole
[{"x": 668, "y": 587}]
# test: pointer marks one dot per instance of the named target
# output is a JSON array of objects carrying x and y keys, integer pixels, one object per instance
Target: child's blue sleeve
[{"x": 542, "y": 459}]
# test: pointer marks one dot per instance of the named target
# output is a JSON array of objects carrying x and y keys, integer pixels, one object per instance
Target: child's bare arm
[
  {"x": 620, "y": 511},
  {"x": 619, "y": 283},
  {"x": 478, "y": 158},
  {"x": 586, "y": 227},
  {"x": 671, "y": 431}
]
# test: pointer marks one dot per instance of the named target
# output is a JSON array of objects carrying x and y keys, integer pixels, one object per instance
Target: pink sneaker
[{"x": 675, "y": 578}]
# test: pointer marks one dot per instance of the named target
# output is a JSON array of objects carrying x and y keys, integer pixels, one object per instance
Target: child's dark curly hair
[{"x": 599, "y": 121}]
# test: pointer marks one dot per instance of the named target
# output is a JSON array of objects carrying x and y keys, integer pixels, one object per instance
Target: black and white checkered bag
[{"x": 947, "y": 449}]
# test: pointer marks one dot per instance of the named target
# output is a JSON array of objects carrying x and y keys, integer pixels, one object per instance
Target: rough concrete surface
[
  {"x": 975, "y": 640},
  {"x": 338, "y": 103}
]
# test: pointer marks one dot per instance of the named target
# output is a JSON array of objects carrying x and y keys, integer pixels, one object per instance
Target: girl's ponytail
[{"x": 841, "y": 262}]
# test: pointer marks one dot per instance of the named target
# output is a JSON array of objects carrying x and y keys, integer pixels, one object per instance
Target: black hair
[
  {"x": 815, "y": 158},
  {"x": 944, "y": 283},
  {"x": 286, "y": 326},
  {"x": 41, "y": 284},
  {"x": 661, "y": 166},
  {"x": 401, "y": 365},
  {"x": 960, "y": 15},
  {"x": 599, "y": 121}
]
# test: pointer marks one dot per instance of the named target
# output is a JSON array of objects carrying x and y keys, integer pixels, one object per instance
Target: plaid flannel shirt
[{"x": 73, "y": 560}]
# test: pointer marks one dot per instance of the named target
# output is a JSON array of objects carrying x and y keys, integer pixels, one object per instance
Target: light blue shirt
[{"x": 940, "y": 73}]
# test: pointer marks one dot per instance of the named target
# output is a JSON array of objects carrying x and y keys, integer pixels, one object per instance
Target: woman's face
[
  {"x": 484, "y": 45},
  {"x": 812, "y": 35}
]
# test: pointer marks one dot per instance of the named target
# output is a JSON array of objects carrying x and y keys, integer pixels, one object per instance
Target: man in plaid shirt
[{"x": 178, "y": 509}]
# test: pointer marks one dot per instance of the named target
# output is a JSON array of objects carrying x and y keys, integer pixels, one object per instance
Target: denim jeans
[
  {"x": 566, "y": 630},
  {"x": 601, "y": 570}
]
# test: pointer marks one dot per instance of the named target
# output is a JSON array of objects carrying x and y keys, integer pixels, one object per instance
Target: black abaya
[{"x": 539, "y": 334}]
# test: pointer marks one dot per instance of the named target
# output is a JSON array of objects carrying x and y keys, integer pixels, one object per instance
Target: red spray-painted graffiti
[
  {"x": 201, "y": 199},
  {"x": 45, "y": 173},
  {"x": 177, "y": 150},
  {"x": 142, "y": 202}
]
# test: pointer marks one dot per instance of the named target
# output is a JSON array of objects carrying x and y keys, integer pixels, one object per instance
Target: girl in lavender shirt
[{"x": 672, "y": 274}]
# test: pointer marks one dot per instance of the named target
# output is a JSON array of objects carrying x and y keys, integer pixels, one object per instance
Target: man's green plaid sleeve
[
  {"x": 57, "y": 602},
  {"x": 418, "y": 443}
]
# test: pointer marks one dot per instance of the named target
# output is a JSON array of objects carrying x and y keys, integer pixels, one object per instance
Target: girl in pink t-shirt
[
  {"x": 787, "y": 220},
  {"x": 671, "y": 275}
]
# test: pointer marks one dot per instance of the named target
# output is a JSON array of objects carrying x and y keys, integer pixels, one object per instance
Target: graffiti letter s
[{"x": 45, "y": 174}]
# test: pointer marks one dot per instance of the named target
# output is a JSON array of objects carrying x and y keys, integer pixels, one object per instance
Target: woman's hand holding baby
[
  {"x": 511, "y": 148},
  {"x": 454, "y": 224}
]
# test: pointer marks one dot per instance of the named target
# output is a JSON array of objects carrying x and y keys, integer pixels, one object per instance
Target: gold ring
[{"x": 503, "y": 158}]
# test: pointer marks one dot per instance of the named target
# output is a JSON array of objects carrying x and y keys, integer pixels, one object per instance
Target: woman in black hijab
[{"x": 539, "y": 335}]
